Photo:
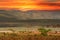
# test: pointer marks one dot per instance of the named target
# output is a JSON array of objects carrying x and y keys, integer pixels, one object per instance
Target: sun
[{"x": 27, "y": 7}]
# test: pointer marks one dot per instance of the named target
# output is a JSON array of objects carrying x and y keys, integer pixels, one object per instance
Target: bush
[{"x": 44, "y": 31}]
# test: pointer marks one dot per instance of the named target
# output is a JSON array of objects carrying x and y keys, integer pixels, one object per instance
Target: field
[
  {"x": 29, "y": 31},
  {"x": 14, "y": 36},
  {"x": 28, "y": 35}
]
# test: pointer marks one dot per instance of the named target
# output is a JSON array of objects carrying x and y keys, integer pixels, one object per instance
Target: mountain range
[{"x": 15, "y": 15}]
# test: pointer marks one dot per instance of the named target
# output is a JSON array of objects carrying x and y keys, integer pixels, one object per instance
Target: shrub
[{"x": 44, "y": 31}]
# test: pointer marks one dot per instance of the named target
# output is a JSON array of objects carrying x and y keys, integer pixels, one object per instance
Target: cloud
[
  {"x": 53, "y": 0},
  {"x": 30, "y": 4},
  {"x": 6, "y": 0}
]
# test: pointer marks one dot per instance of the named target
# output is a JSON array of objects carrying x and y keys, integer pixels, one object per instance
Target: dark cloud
[
  {"x": 51, "y": 4},
  {"x": 4, "y": 0},
  {"x": 52, "y": 0}
]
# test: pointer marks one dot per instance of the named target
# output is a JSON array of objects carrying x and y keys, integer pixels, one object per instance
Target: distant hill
[
  {"x": 9, "y": 18},
  {"x": 15, "y": 15}
]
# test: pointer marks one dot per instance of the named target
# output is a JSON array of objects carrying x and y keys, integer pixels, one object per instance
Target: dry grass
[{"x": 26, "y": 36}]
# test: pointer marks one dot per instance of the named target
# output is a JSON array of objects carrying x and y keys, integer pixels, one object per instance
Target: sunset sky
[{"x": 30, "y": 4}]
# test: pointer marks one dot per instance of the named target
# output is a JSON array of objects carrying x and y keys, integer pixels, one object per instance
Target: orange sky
[{"x": 29, "y": 5}]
